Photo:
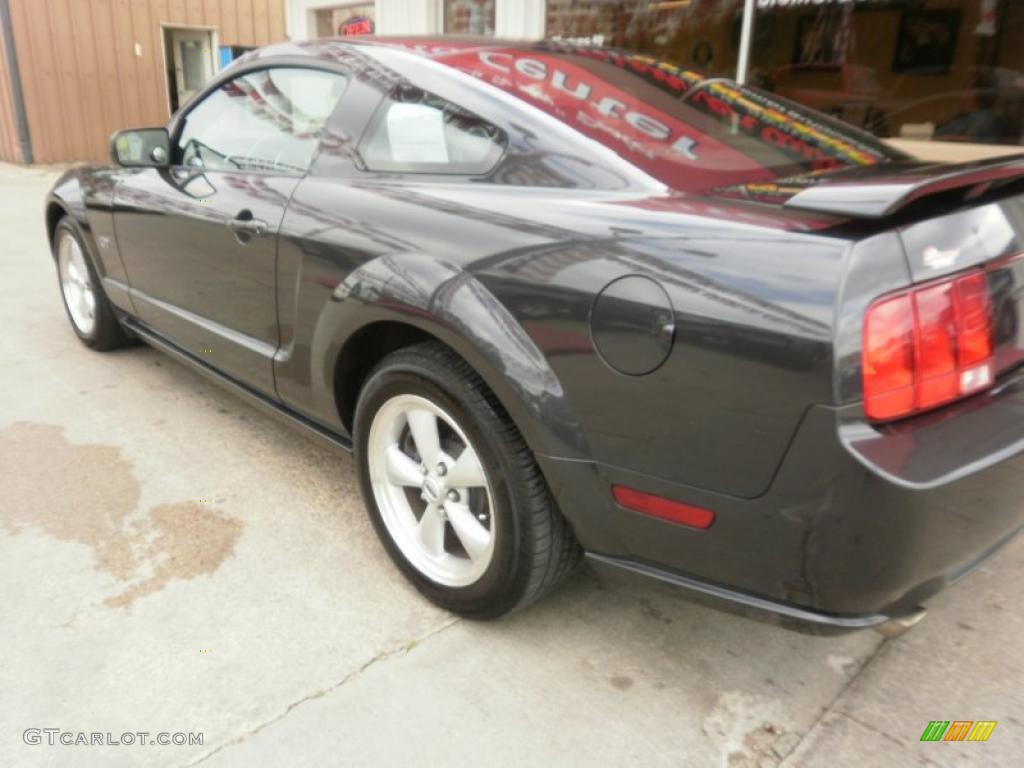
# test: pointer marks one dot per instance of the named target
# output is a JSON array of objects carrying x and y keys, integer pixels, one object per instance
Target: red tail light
[{"x": 927, "y": 347}]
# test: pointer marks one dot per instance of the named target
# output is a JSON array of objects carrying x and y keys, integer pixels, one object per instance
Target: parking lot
[{"x": 172, "y": 560}]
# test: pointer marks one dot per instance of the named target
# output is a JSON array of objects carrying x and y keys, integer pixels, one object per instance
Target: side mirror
[{"x": 142, "y": 148}]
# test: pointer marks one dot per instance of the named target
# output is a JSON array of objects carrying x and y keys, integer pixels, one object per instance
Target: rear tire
[
  {"x": 91, "y": 315},
  {"x": 453, "y": 490}
]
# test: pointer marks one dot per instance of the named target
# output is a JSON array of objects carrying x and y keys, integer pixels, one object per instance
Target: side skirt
[{"x": 274, "y": 408}]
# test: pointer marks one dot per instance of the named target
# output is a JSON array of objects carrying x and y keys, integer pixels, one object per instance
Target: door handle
[{"x": 245, "y": 225}]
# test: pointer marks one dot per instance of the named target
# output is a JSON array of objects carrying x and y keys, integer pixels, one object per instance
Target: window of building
[
  {"x": 346, "y": 20},
  {"x": 935, "y": 69},
  {"x": 267, "y": 121},
  {"x": 905, "y": 70},
  {"x": 703, "y": 35},
  {"x": 417, "y": 132},
  {"x": 469, "y": 17}
]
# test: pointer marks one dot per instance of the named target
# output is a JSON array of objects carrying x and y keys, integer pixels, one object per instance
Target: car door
[{"x": 199, "y": 239}]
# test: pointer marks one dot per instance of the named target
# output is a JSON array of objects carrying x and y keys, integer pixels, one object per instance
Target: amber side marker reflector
[{"x": 666, "y": 509}]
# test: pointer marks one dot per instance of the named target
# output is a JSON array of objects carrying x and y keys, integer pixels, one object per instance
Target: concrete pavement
[{"x": 172, "y": 560}]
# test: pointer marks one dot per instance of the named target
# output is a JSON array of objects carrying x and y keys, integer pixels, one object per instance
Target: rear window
[
  {"x": 688, "y": 131},
  {"x": 414, "y": 131}
]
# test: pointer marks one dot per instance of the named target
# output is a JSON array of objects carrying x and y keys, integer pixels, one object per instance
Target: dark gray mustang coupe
[{"x": 566, "y": 300}]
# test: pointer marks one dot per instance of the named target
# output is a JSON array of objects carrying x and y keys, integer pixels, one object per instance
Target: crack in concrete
[
  {"x": 899, "y": 742},
  {"x": 385, "y": 655},
  {"x": 886, "y": 735},
  {"x": 835, "y": 700},
  {"x": 868, "y": 727}
]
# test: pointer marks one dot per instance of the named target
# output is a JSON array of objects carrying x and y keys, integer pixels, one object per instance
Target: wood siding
[
  {"x": 82, "y": 78},
  {"x": 10, "y": 148}
]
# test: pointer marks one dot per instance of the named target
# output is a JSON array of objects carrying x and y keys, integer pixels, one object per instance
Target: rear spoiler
[{"x": 879, "y": 197}]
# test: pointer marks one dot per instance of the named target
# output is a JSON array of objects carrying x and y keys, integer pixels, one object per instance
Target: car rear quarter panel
[{"x": 751, "y": 350}]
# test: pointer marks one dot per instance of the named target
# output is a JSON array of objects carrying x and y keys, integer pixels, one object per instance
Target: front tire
[
  {"x": 90, "y": 312},
  {"x": 452, "y": 489}
]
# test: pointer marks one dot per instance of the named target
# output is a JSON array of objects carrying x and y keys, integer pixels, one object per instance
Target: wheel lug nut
[
  {"x": 453, "y": 495},
  {"x": 442, "y": 470},
  {"x": 423, "y": 469}
]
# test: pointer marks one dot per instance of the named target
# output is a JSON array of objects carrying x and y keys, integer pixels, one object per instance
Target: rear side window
[
  {"x": 269, "y": 120},
  {"x": 416, "y": 132}
]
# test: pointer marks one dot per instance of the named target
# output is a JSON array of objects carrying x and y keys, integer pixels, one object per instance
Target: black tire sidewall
[
  {"x": 106, "y": 331},
  {"x": 504, "y": 581}
]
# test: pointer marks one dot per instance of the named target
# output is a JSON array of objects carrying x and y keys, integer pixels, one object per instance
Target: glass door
[{"x": 192, "y": 60}]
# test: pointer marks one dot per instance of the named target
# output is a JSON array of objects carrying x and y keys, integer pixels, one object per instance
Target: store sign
[
  {"x": 355, "y": 25},
  {"x": 615, "y": 112}
]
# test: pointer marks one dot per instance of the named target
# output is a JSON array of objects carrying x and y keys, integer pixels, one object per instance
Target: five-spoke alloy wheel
[
  {"x": 76, "y": 283},
  {"x": 90, "y": 312},
  {"x": 453, "y": 490},
  {"x": 431, "y": 490}
]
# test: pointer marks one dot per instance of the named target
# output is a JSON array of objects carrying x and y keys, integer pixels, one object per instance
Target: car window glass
[
  {"x": 269, "y": 120},
  {"x": 416, "y": 132}
]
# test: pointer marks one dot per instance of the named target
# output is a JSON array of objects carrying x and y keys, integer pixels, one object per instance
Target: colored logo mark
[{"x": 958, "y": 730}]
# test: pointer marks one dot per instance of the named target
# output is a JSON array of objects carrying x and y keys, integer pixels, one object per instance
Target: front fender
[
  {"x": 447, "y": 302},
  {"x": 87, "y": 196},
  {"x": 65, "y": 199}
]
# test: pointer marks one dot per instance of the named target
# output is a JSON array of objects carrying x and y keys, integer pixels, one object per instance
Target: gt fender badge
[{"x": 937, "y": 259}]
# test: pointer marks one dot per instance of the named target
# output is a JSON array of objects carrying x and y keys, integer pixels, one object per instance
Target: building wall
[
  {"x": 91, "y": 67},
  {"x": 513, "y": 18},
  {"x": 519, "y": 19},
  {"x": 392, "y": 17},
  {"x": 10, "y": 149},
  {"x": 404, "y": 17}
]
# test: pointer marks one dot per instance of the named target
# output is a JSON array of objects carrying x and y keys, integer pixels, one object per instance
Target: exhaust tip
[{"x": 897, "y": 625}]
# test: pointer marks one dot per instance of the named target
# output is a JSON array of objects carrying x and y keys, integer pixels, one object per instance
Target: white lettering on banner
[
  {"x": 607, "y": 106},
  {"x": 581, "y": 91},
  {"x": 488, "y": 58},
  {"x": 532, "y": 68},
  {"x": 648, "y": 125},
  {"x": 684, "y": 145}
]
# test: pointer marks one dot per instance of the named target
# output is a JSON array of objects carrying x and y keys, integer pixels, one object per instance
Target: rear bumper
[
  {"x": 741, "y": 602},
  {"x": 857, "y": 527}
]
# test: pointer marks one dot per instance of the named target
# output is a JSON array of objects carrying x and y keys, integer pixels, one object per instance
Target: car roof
[
  {"x": 428, "y": 46},
  {"x": 356, "y": 51}
]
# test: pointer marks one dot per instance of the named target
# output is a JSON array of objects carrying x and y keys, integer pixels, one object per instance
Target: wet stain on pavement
[
  {"x": 89, "y": 495},
  {"x": 747, "y": 729},
  {"x": 621, "y": 682}
]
